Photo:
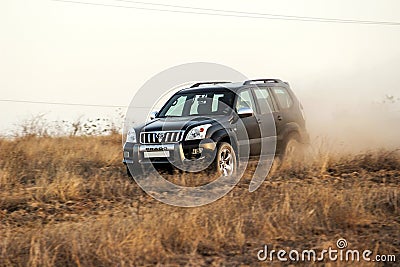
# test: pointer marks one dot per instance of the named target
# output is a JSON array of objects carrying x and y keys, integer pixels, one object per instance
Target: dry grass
[{"x": 67, "y": 202}]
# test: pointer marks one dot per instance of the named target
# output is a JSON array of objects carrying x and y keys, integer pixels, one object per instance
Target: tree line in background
[{"x": 39, "y": 125}]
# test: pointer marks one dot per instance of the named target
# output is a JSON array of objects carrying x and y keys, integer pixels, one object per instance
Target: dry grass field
[{"x": 66, "y": 201}]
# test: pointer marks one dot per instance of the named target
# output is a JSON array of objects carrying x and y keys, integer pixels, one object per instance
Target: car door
[
  {"x": 284, "y": 114},
  {"x": 245, "y": 100},
  {"x": 266, "y": 115}
]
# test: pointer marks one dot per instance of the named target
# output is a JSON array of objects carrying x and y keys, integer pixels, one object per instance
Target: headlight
[
  {"x": 131, "y": 136},
  {"x": 198, "y": 132}
]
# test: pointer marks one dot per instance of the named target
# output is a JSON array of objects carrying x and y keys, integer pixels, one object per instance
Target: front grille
[{"x": 161, "y": 137}]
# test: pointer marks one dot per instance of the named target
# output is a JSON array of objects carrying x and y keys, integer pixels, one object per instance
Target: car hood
[{"x": 175, "y": 123}]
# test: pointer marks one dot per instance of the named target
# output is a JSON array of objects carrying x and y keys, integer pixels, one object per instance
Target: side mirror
[
  {"x": 153, "y": 115},
  {"x": 245, "y": 112}
]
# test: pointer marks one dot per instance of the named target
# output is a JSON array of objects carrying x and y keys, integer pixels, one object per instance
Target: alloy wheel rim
[
  {"x": 226, "y": 163},
  {"x": 291, "y": 148}
]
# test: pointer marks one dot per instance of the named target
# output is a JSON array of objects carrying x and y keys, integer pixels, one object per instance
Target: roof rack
[
  {"x": 201, "y": 83},
  {"x": 262, "y": 80}
]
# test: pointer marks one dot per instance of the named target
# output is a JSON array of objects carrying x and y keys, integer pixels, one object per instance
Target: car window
[
  {"x": 217, "y": 102},
  {"x": 196, "y": 101},
  {"x": 245, "y": 100},
  {"x": 211, "y": 103},
  {"x": 192, "y": 104},
  {"x": 283, "y": 97},
  {"x": 264, "y": 100},
  {"x": 177, "y": 106}
]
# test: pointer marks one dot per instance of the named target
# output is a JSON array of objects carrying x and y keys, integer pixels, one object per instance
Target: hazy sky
[{"x": 64, "y": 52}]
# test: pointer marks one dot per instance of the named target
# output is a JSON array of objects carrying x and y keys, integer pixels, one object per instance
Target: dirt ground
[{"x": 68, "y": 202}]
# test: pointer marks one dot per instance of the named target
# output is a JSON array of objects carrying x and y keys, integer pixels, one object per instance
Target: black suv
[{"x": 216, "y": 124}]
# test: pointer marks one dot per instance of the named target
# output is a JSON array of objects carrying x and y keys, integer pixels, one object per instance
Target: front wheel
[
  {"x": 225, "y": 160},
  {"x": 134, "y": 170}
]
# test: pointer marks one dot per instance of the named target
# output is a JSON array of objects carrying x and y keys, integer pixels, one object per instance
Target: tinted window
[
  {"x": 264, "y": 100},
  {"x": 283, "y": 97},
  {"x": 245, "y": 100}
]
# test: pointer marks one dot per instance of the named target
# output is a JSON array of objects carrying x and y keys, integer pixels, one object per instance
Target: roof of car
[{"x": 198, "y": 87}]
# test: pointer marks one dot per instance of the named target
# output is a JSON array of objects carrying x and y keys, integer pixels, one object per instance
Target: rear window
[{"x": 283, "y": 97}]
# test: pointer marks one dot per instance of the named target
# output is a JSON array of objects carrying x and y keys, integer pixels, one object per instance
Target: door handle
[
  {"x": 259, "y": 120},
  {"x": 279, "y": 117}
]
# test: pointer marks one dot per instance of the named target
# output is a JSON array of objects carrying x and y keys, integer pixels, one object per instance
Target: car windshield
[{"x": 198, "y": 104}]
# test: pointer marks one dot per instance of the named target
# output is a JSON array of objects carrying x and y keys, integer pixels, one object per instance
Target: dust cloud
[{"x": 356, "y": 117}]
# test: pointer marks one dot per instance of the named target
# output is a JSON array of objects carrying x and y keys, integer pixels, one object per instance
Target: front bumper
[{"x": 179, "y": 153}]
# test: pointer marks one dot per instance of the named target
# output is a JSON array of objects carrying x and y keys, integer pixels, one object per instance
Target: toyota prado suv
[{"x": 215, "y": 124}]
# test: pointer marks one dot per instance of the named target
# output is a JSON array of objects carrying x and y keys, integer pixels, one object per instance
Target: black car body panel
[{"x": 276, "y": 112}]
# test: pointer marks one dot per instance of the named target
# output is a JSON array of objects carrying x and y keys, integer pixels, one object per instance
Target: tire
[
  {"x": 128, "y": 172},
  {"x": 134, "y": 170},
  {"x": 225, "y": 162},
  {"x": 293, "y": 150}
]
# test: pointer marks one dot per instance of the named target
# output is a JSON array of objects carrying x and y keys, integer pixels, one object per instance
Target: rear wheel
[
  {"x": 225, "y": 160},
  {"x": 293, "y": 150}
]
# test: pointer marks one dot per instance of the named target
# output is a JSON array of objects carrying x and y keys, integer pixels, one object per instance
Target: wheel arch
[
  {"x": 291, "y": 129},
  {"x": 223, "y": 135}
]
